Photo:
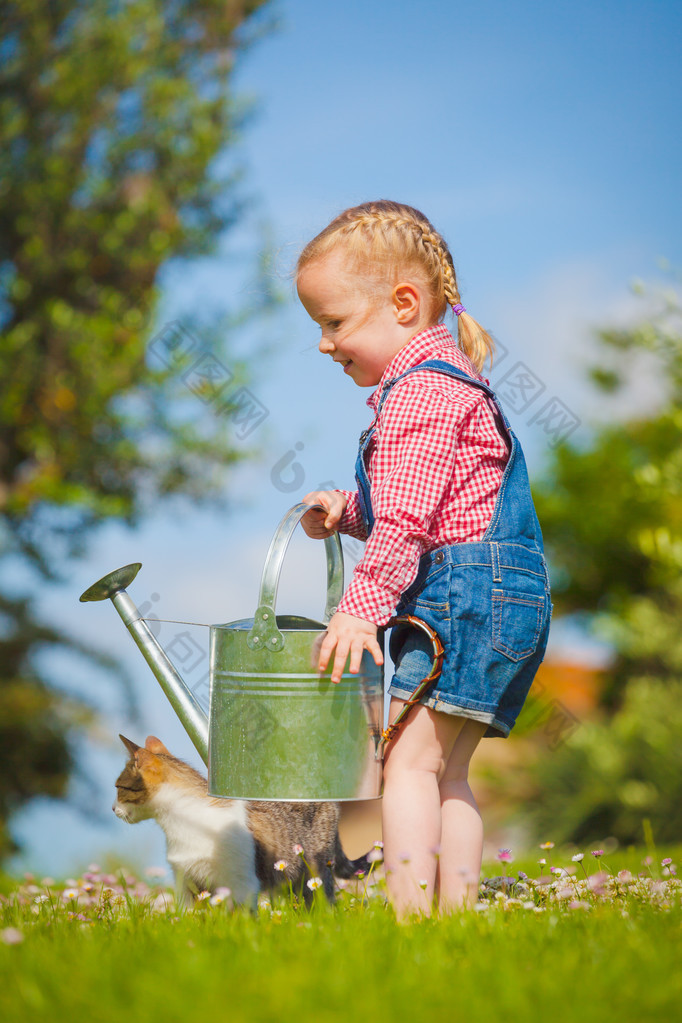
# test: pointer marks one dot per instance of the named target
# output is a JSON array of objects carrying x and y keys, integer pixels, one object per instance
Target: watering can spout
[{"x": 183, "y": 701}]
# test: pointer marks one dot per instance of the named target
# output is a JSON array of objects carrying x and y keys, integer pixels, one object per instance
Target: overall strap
[
  {"x": 439, "y": 366},
  {"x": 515, "y": 463}
]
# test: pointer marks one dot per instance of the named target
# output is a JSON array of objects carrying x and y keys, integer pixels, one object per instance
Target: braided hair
[{"x": 383, "y": 240}]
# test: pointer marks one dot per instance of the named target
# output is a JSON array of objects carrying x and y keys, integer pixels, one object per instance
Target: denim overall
[{"x": 488, "y": 600}]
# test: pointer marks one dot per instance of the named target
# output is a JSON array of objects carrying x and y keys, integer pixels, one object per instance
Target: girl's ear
[{"x": 406, "y": 302}]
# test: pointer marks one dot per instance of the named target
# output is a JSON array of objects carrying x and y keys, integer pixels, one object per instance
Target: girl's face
[{"x": 360, "y": 331}]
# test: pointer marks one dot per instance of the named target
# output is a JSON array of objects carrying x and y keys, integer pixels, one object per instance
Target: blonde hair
[{"x": 382, "y": 240}]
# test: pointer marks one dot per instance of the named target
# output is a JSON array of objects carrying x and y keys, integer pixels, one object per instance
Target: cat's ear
[
  {"x": 155, "y": 745},
  {"x": 131, "y": 746},
  {"x": 145, "y": 759},
  {"x": 152, "y": 769}
]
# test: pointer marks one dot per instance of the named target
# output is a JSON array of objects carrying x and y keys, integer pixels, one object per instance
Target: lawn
[{"x": 573, "y": 944}]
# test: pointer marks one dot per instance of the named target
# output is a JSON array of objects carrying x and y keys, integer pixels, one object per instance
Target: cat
[{"x": 244, "y": 845}]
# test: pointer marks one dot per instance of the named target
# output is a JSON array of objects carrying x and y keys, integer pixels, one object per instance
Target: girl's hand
[
  {"x": 321, "y": 524},
  {"x": 346, "y": 634}
]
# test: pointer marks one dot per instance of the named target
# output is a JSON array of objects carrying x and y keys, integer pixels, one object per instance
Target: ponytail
[{"x": 474, "y": 341}]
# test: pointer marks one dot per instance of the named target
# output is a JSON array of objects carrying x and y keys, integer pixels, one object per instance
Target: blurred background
[{"x": 162, "y": 399}]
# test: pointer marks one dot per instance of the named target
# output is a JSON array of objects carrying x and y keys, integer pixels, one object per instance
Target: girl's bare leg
[
  {"x": 461, "y": 843},
  {"x": 416, "y": 760}
]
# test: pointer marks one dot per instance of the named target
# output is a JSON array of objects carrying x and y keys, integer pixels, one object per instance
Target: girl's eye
[{"x": 334, "y": 324}]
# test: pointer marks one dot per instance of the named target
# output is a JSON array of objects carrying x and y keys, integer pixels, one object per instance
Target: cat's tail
[{"x": 345, "y": 868}]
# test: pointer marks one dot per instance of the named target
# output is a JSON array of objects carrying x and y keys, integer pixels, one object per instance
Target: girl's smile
[{"x": 362, "y": 331}]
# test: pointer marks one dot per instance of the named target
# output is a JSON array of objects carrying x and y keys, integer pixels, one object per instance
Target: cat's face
[
  {"x": 132, "y": 796},
  {"x": 139, "y": 780}
]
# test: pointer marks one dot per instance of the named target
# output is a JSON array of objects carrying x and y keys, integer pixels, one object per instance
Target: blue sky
[{"x": 541, "y": 139}]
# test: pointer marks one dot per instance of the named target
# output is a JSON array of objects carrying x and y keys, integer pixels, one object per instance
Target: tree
[
  {"x": 112, "y": 116},
  {"x": 613, "y": 773},
  {"x": 611, "y": 513}
]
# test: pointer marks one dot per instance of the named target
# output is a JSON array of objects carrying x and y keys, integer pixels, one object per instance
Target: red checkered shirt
[{"x": 435, "y": 463}]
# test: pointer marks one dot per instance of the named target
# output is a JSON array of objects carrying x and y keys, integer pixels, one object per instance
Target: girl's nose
[{"x": 326, "y": 345}]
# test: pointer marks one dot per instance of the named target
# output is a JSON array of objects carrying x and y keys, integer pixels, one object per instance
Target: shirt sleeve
[
  {"x": 351, "y": 521},
  {"x": 412, "y": 470}
]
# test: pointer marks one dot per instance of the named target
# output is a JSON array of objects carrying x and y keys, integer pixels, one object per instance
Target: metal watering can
[{"x": 276, "y": 730}]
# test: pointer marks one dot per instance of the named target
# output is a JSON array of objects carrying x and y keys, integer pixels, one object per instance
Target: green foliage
[
  {"x": 615, "y": 772},
  {"x": 612, "y": 515},
  {"x": 113, "y": 114},
  {"x": 612, "y": 512},
  {"x": 36, "y": 719}
]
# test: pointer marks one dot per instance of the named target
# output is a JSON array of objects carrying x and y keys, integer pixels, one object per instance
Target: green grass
[{"x": 613, "y": 953}]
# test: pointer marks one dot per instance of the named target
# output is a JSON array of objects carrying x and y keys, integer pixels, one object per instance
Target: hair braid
[{"x": 385, "y": 239}]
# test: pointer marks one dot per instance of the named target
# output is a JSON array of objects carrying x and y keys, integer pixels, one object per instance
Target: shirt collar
[{"x": 432, "y": 343}]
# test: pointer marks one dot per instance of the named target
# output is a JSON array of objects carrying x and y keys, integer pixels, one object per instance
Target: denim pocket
[
  {"x": 517, "y": 621},
  {"x": 429, "y": 590}
]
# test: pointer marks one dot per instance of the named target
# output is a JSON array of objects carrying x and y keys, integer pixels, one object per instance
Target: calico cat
[{"x": 231, "y": 843}]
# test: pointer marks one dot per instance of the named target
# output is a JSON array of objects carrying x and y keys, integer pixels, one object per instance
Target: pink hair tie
[{"x": 458, "y": 309}]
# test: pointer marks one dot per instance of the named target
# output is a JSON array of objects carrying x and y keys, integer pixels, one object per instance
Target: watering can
[{"x": 276, "y": 729}]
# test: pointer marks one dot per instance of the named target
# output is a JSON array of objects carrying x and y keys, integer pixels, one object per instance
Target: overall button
[{"x": 439, "y": 557}]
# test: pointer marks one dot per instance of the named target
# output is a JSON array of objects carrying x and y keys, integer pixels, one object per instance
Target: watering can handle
[{"x": 265, "y": 635}]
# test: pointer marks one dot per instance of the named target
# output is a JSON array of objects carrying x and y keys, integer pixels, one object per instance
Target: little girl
[{"x": 444, "y": 503}]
